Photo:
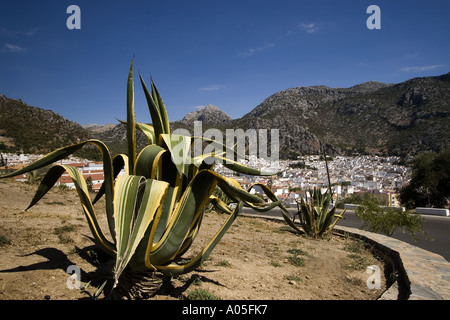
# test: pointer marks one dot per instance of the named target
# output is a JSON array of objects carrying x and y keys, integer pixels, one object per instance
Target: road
[{"x": 438, "y": 228}]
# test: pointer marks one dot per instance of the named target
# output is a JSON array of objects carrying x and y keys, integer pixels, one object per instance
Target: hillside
[
  {"x": 115, "y": 137},
  {"x": 30, "y": 129},
  {"x": 398, "y": 119},
  {"x": 371, "y": 117}
]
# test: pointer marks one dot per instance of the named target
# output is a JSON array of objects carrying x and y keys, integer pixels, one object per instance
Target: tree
[
  {"x": 387, "y": 220},
  {"x": 430, "y": 181}
]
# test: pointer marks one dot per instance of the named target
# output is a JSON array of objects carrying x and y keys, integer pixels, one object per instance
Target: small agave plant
[
  {"x": 154, "y": 210},
  {"x": 315, "y": 215}
]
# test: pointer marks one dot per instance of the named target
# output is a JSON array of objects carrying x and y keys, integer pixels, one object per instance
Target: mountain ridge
[
  {"x": 29, "y": 129},
  {"x": 371, "y": 117}
]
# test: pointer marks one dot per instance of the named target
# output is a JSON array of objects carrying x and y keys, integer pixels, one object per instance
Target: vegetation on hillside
[
  {"x": 386, "y": 220},
  {"x": 430, "y": 181},
  {"x": 26, "y": 129}
]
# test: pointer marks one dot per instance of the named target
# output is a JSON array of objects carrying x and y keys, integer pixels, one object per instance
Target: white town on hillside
[{"x": 348, "y": 175}]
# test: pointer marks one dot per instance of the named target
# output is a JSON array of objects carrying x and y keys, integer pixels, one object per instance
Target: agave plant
[
  {"x": 316, "y": 217},
  {"x": 154, "y": 210}
]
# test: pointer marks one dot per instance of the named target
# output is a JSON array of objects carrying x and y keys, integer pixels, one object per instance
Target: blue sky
[{"x": 230, "y": 53}]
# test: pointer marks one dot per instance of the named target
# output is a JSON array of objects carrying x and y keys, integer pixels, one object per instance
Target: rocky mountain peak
[
  {"x": 209, "y": 115},
  {"x": 369, "y": 86}
]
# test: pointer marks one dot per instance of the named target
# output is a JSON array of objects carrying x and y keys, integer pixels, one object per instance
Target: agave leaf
[
  {"x": 236, "y": 166},
  {"x": 156, "y": 163},
  {"x": 49, "y": 159},
  {"x": 226, "y": 155},
  {"x": 219, "y": 204},
  {"x": 180, "y": 149},
  {"x": 232, "y": 189},
  {"x": 88, "y": 208},
  {"x": 218, "y": 149},
  {"x": 162, "y": 109},
  {"x": 120, "y": 161},
  {"x": 338, "y": 217},
  {"x": 148, "y": 161},
  {"x": 49, "y": 180},
  {"x": 136, "y": 202},
  {"x": 131, "y": 129},
  {"x": 189, "y": 210},
  {"x": 140, "y": 260},
  {"x": 189, "y": 239},
  {"x": 306, "y": 215},
  {"x": 62, "y": 153},
  {"x": 326, "y": 222},
  {"x": 285, "y": 213},
  {"x": 186, "y": 213},
  {"x": 164, "y": 217},
  {"x": 155, "y": 113},
  {"x": 148, "y": 130},
  {"x": 176, "y": 269},
  {"x": 325, "y": 204},
  {"x": 125, "y": 194}
]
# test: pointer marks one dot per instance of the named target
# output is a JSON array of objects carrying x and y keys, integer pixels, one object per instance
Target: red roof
[
  {"x": 76, "y": 164},
  {"x": 65, "y": 178}
]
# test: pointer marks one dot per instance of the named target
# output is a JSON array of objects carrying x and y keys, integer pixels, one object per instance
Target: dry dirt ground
[{"x": 257, "y": 259}]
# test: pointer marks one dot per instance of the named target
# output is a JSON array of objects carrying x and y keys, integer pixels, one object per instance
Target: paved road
[{"x": 436, "y": 227}]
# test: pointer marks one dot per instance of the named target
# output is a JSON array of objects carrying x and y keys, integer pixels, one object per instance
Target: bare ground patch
[{"x": 257, "y": 259}]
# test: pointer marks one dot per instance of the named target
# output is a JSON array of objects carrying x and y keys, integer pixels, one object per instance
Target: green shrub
[
  {"x": 4, "y": 241},
  {"x": 296, "y": 261},
  {"x": 387, "y": 220},
  {"x": 202, "y": 294}
]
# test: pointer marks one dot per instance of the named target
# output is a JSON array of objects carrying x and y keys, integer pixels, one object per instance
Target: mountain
[
  {"x": 98, "y": 128},
  {"x": 371, "y": 117},
  {"x": 115, "y": 137},
  {"x": 209, "y": 115},
  {"x": 395, "y": 119},
  {"x": 30, "y": 129}
]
